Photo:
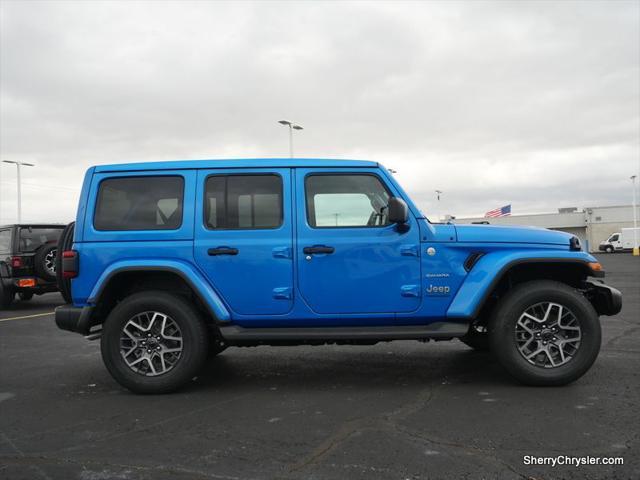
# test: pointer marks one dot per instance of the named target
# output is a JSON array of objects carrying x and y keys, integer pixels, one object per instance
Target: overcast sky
[{"x": 534, "y": 104}]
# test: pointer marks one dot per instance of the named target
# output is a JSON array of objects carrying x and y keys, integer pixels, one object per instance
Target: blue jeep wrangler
[{"x": 170, "y": 262}]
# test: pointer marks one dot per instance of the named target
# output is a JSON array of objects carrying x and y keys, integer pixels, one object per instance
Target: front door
[
  {"x": 350, "y": 259},
  {"x": 243, "y": 238}
]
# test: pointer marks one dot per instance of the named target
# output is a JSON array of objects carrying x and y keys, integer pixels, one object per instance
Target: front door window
[{"x": 346, "y": 201}]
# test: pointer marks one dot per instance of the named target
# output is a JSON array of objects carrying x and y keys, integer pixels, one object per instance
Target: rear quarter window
[{"x": 140, "y": 203}]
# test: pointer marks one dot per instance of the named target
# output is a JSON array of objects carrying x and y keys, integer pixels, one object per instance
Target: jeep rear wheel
[
  {"x": 545, "y": 333},
  {"x": 154, "y": 342},
  {"x": 6, "y": 296},
  {"x": 65, "y": 242}
]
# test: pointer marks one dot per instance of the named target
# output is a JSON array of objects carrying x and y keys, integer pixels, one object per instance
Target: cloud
[{"x": 535, "y": 104}]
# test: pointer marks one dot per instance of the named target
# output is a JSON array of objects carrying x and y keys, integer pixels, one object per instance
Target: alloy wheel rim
[
  {"x": 151, "y": 343},
  {"x": 548, "y": 335},
  {"x": 50, "y": 261}
]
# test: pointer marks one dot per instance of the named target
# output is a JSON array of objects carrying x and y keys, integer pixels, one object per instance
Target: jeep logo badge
[
  {"x": 431, "y": 251},
  {"x": 438, "y": 289}
]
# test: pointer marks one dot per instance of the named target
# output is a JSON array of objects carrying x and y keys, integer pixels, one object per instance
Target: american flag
[{"x": 499, "y": 212}]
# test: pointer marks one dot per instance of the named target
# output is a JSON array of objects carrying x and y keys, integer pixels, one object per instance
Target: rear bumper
[
  {"x": 11, "y": 282},
  {"x": 74, "y": 319},
  {"x": 40, "y": 287},
  {"x": 605, "y": 299}
]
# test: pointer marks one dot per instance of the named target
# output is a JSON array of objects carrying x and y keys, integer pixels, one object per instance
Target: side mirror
[{"x": 398, "y": 211}]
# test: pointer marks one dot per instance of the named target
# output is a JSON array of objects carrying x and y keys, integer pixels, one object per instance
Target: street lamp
[
  {"x": 438, "y": 193},
  {"x": 636, "y": 250},
  {"x": 292, "y": 126},
  {"x": 18, "y": 165}
]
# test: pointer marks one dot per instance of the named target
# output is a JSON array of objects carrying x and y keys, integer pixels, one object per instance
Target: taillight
[
  {"x": 16, "y": 262},
  {"x": 69, "y": 264}
]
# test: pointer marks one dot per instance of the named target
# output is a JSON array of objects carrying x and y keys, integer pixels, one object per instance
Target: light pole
[
  {"x": 0, "y": 193},
  {"x": 18, "y": 165},
  {"x": 438, "y": 193},
  {"x": 636, "y": 250},
  {"x": 292, "y": 126}
]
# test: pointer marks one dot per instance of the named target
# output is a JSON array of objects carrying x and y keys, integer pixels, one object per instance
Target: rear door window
[
  {"x": 249, "y": 202},
  {"x": 32, "y": 238},
  {"x": 140, "y": 203}
]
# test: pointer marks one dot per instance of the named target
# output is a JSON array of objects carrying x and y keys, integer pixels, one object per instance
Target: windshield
[{"x": 32, "y": 238}]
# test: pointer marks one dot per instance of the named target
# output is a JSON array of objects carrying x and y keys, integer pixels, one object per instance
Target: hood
[{"x": 511, "y": 234}]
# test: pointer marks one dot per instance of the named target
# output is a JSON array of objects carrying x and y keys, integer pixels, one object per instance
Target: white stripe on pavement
[{"x": 27, "y": 316}]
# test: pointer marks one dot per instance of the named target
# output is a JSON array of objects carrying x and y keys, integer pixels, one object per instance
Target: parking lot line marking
[{"x": 26, "y": 316}]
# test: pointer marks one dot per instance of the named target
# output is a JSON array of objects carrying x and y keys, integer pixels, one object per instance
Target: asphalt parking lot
[{"x": 402, "y": 410}]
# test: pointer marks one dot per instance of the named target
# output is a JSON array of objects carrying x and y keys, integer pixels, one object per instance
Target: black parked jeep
[{"x": 27, "y": 261}]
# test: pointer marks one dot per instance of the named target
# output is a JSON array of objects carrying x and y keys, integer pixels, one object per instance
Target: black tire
[
  {"x": 65, "y": 242},
  {"x": 6, "y": 297},
  {"x": 477, "y": 338},
  {"x": 195, "y": 338},
  {"x": 502, "y": 333},
  {"x": 44, "y": 265},
  {"x": 609, "y": 249},
  {"x": 25, "y": 296}
]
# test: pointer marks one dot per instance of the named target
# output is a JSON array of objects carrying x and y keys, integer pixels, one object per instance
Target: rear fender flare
[{"x": 209, "y": 297}]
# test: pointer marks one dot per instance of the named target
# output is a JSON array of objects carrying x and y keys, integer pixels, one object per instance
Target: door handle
[
  {"x": 318, "y": 249},
  {"x": 222, "y": 251}
]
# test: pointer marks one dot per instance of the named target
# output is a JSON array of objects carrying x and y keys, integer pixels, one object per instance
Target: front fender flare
[
  {"x": 488, "y": 271},
  {"x": 190, "y": 275}
]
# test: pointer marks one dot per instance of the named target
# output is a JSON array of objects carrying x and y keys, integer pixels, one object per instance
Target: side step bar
[{"x": 437, "y": 330}]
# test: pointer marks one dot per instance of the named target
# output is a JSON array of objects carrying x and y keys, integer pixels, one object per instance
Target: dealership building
[{"x": 591, "y": 225}]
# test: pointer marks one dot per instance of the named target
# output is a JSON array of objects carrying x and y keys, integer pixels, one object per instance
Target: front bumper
[
  {"x": 74, "y": 319},
  {"x": 605, "y": 299}
]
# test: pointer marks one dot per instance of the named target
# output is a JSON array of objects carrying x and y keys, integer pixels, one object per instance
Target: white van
[{"x": 622, "y": 241}]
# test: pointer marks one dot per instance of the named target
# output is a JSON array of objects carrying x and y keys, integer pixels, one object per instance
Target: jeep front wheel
[
  {"x": 545, "y": 333},
  {"x": 153, "y": 342}
]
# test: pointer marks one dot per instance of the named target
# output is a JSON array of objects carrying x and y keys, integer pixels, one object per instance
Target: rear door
[{"x": 243, "y": 237}]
